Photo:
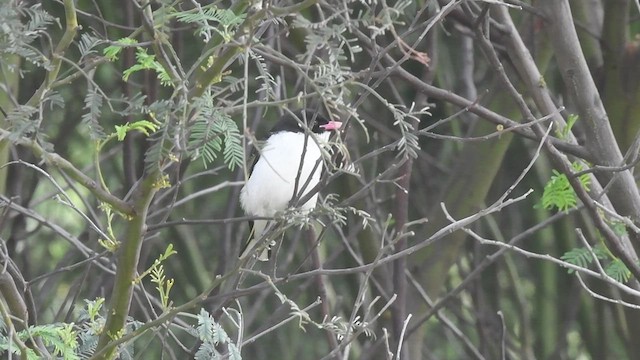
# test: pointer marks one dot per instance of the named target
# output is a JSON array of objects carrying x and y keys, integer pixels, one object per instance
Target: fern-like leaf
[
  {"x": 21, "y": 123},
  {"x": 234, "y": 352},
  {"x": 579, "y": 257},
  {"x": 585, "y": 179},
  {"x": 226, "y": 21},
  {"x": 111, "y": 52},
  {"x": 93, "y": 108},
  {"x": 212, "y": 335},
  {"x": 268, "y": 82},
  {"x": 618, "y": 270},
  {"x": 205, "y": 326},
  {"x": 233, "y": 152},
  {"x": 204, "y": 141},
  {"x": 408, "y": 143},
  {"x": 16, "y": 35},
  {"x": 160, "y": 149},
  {"x": 87, "y": 45},
  {"x": 558, "y": 193},
  {"x": 564, "y": 132},
  {"x": 163, "y": 140},
  {"x": 144, "y": 126},
  {"x": 213, "y": 132},
  {"x": 146, "y": 61},
  {"x": 618, "y": 227}
]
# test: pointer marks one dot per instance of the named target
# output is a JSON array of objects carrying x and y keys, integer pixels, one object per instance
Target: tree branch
[
  {"x": 485, "y": 113},
  {"x": 62, "y": 164},
  {"x": 626, "y": 253},
  {"x": 71, "y": 28},
  {"x": 601, "y": 143},
  {"x": 127, "y": 266}
]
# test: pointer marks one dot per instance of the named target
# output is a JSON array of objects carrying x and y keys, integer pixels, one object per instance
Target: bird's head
[{"x": 316, "y": 122}]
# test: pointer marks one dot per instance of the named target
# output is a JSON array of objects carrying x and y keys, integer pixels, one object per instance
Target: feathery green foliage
[
  {"x": 93, "y": 105},
  {"x": 583, "y": 257},
  {"x": 225, "y": 21},
  {"x": 17, "y": 35},
  {"x": 163, "y": 285},
  {"x": 408, "y": 143},
  {"x": 146, "y": 61},
  {"x": 213, "y": 336},
  {"x": 213, "y": 132},
  {"x": 111, "y": 52},
  {"x": 60, "y": 339},
  {"x": 558, "y": 192},
  {"x": 87, "y": 44},
  {"x": 144, "y": 126},
  {"x": 265, "y": 77},
  {"x": 618, "y": 227},
  {"x": 162, "y": 147},
  {"x": 21, "y": 123},
  {"x": 564, "y": 132},
  {"x": 618, "y": 270}
]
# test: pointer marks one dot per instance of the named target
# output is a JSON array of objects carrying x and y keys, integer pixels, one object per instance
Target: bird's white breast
[{"x": 272, "y": 182}]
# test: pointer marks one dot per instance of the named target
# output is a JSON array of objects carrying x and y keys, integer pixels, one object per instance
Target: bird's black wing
[{"x": 254, "y": 156}]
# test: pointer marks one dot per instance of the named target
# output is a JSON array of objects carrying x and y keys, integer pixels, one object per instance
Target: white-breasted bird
[{"x": 290, "y": 161}]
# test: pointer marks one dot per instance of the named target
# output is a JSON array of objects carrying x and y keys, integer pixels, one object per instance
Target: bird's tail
[{"x": 258, "y": 228}]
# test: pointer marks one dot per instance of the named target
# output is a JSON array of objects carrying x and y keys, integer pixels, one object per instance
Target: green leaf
[
  {"x": 144, "y": 126},
  {"x": 579, "y": 256},
  {"x": 618, "y": 270},
  {"x": 268, "y": 83},
  {"x": 618, "y": 227},
  {"x": 226, "y": 21},
  {"x": 20, "y": 122},
  {"x": 93, "y": 307},
  {"x": 205, "y": 326},
  {"x": 234, "y": 353},
  {"x": 69, "y": 342},
  {"x": 219, "y": 335},
  {"x": 111, "y": 52},
  {"x": 558, "y": 192},
  {"x": 93, "y": 106},
  {"x": 21, "y": 24},
  {"x": 62, "y": 337},
  {"x": 87, "y": 44},
  {"x": 168, "y": 252},
  {"x": 212, "y": 335},
  {"x": 571, "y": 120},
  {"x": 601, "y": 251},
  {"x": 161, "y": 146},
  {"x": 582, "y": 257},
  {"x": 146, "y": 61},
  {"x": 585, "y": 179},
  {"x": 213, "y": 132}
]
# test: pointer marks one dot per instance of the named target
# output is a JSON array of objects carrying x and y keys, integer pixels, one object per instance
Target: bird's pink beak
[{"x": 332, "y": 125}]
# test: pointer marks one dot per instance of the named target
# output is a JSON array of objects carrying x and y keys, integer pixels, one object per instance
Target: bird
[{"x": 289, "y": 162}]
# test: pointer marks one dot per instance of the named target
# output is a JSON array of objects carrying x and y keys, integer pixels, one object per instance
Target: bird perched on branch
[{"x": 288, "y": 167}]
